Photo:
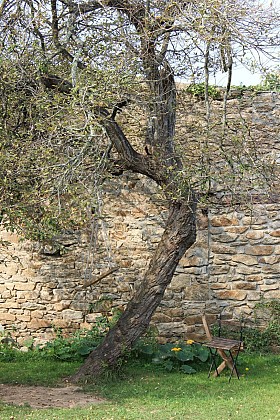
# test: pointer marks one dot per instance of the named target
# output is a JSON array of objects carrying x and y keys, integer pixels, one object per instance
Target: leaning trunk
[{"x": 178, "y": 236}]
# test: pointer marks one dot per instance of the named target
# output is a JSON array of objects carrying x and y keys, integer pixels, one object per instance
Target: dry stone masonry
[{"x": 234, "y": 263}]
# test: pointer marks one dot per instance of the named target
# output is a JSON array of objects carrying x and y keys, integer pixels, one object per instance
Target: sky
[{"x": 241, "y": 75}]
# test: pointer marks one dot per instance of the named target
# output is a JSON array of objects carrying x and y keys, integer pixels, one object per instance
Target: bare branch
[
  {"x": 132, "y": 160},
  {"x": 55, "y": 33},
  {"x": 98, "y": 279}
]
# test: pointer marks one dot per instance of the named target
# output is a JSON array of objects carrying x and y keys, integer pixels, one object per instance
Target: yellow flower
[
  {"x": 190, "y": 341},
  {"x": 246, "y": 368},
  {"x": 176, "y": 349}
]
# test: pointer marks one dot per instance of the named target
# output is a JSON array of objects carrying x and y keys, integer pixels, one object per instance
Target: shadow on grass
[{"x": 145, "y": 391}]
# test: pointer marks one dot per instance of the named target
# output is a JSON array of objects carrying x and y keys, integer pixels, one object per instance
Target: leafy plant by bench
[{"x": 182, "y": 356}]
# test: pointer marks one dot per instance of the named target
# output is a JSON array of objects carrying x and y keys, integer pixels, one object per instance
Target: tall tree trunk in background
[{"x": 179, "y": 235}]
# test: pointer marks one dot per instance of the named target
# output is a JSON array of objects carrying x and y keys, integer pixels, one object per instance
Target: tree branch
[
  {"x": 99, "y": 278},
  {"x": 133, "y": 160},
  {"x": 134, "y": 11},
  {"x": 55, "y": 33},
  {"x": 2, "y": 6}
]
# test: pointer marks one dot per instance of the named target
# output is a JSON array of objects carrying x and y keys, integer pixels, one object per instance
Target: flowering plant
[{"x": 180, "y": 356}]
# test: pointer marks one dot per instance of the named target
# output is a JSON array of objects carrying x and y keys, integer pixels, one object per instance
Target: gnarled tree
[{"x": 89, "y": 56}]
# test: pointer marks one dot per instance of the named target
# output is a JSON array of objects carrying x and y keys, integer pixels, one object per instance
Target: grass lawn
[{"x": 146, "y": 392}]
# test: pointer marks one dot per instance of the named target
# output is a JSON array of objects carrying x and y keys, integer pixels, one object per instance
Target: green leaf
[
  {"x": 85, "y": 350},
  {"x": 187, "y": 369},
  {"x": 202, "y": 354},
  {"x": 184, "y": 356},
  {"x": 168, "y": 365},
  {"x": 147, "y": 349},
  {"x": 166, "y": 348}
]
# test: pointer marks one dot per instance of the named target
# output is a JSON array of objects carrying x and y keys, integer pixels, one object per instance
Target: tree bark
[{"x": 179, "y": 235}]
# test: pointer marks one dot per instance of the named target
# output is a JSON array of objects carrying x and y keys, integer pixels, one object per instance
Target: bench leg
[
  {"x": 228, "y": 361},
  {"x": 219, "y": 369}
]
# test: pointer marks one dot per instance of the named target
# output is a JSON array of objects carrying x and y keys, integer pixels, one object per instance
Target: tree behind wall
[{"x": 68, "y": 70}]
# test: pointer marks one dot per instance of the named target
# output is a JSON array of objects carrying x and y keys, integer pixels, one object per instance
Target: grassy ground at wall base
[{"x": 145, "y": 391}]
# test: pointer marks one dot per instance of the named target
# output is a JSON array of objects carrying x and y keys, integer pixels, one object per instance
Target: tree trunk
[{"x": 179, "y": 235}]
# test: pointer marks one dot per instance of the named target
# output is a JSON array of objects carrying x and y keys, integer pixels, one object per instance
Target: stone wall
[{"x": 234, "y": 262}]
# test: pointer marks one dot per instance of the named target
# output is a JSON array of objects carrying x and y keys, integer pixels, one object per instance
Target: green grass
[{"x": 146, "y": 392}]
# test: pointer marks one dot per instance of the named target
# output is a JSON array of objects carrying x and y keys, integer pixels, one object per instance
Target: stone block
[
  {"x": 46, "y": 294},
  {"x": 221, "y": 279},
  {"x": 2, "y": 288},
  {"x": 277, "y": 249},
  {"x": 6, "y": 317},
  {"x": 193, "y": 320},
  {"x": 6, "y": 294},
  {"x": 244, "y": 259},
  {"x": 221, "y": 259},
  {"x": 224, "y": 221},
  {"x": 4, "y": 277},
  {"x": 82, "y": 306},
  {"x": 198, "y": 271},
  {"x": 18, "y": 278},
  {"x": 226, "y": 237},
  {"x": 85, "y": 326},
  {"x": 28, "y": 273},
  {"x": 31, "y": 306},
  {"x": 218, "y": 286},
  {"x": 271, "y": 269},
  {"x": 272, "y": 280},
  {"x": 275, "y": 233},
  {"x": 253, "y": 269},
  {"x": 38, "y": 314},
  {"x": 272, "y": 294},
  {"x": 222, "y": 249},
  {"x": 254, "y": 277},
  {"x": 20, "y": 295},
  {"x": 59, "y": 294},
  {"x": 194, "y": 261},
  {"x": 71, "y": 315},
  {"x": 241, "y": 310},
  {"x": 253, "y": 295},
  {"x": 197, "y": 293},
  {"x": 24, "y": 286},
  {"x": 23, "y": 318},
  {"x": 33, "y": 295},
  {"x": 11, "y": 269},
  {"x": 175, "y": 312},
  {"x": 231, "y": 294},
  {"x": 60, "y": 323},
  {"x": 9, "y": 304},
  {"x": 270, "y": 260},
  {"x": 63, "y": 304},
  {"x": 171, "y": 329},
  {"x": 255, "y": 234},
  {"x": 36, "y": 324},
  {"x": 268, "y": 287},
  {"x": 180, "y": 281},
  {"x": 250, "y": 220},
  {"x": 259, "y": 250},
  {"x": 245, "y": 285},
  {"x": 159, "y": 316},
  {"x": 236, "y": 229},
  {"x": 216, "y": 270},
  {"x": 270, "y": 240}
]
